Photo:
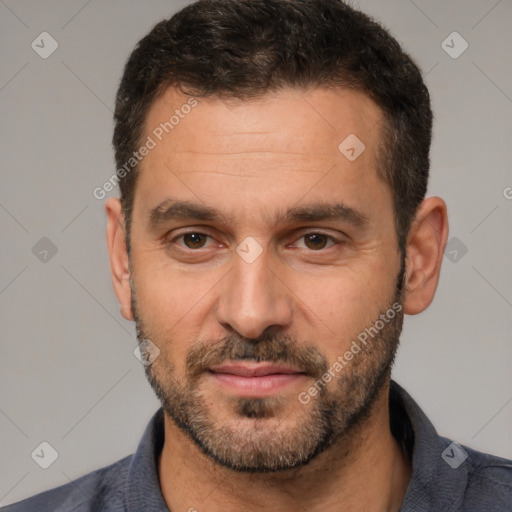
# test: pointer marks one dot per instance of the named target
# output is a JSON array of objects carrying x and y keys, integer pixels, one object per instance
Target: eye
[
  {"x": 316, "y": 241},
  {"x": 193, "y": 240}
]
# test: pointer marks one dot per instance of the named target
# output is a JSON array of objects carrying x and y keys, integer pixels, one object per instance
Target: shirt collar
[
  {"x": 434, "y": 485},
  {"x": 142, "y": 485}
]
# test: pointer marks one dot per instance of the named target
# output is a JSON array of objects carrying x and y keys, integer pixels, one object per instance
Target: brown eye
[
  {"x": 315, "y": 241},
  {"x": 194, "y": 240}
]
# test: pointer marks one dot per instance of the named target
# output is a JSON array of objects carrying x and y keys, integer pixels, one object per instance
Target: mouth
[{"x": 255, "y": 380}]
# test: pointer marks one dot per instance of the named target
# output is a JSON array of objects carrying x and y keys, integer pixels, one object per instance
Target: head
[{"x": 274, "y": 215}]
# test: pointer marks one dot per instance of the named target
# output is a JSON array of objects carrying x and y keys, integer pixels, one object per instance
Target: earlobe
[
  {"x": 118, "y": 256},
  {"x": 425, "y": 249}
]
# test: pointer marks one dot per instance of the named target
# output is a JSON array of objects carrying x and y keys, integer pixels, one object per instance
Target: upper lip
[{"x": 254, "y": 369}]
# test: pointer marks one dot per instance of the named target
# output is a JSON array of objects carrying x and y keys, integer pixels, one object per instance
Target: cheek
[
  {"x": 341, "y": 305},
  {"x": 170, "y": 301}
]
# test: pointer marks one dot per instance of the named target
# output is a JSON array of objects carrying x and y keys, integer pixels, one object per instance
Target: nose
[{"x": 253, "y": 299}]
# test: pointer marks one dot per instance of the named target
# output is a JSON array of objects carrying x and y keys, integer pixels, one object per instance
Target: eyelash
[{"x": 330, "y": 238}]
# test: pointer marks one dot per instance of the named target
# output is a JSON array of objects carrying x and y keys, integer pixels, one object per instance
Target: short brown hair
[{"x": 246, "y": 48}]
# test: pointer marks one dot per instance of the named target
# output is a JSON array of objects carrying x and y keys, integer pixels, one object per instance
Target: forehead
[
  {"x": 283, "y": 145},
  {"x": 290, "y": 114}
]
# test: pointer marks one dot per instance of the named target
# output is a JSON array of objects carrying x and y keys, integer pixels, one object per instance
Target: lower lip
[{"x": 260, "y": 386}]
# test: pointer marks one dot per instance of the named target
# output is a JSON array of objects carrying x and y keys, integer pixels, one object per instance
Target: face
[{"x": 265, "y": 267}]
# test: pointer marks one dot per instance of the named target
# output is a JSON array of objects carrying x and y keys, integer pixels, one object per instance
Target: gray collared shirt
[{"x": 446, "y": 476}]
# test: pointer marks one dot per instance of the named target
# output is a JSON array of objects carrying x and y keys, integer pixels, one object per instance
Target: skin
[{"x": 252, "y": 160}]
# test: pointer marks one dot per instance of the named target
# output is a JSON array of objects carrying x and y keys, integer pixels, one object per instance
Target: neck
[{"x": 363, "y": 471}]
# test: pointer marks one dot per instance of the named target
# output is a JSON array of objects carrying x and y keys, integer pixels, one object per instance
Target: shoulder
[
  {"x": 102, "y": 489},
  {"x": 446, "y": 475},
  {"x": 489, "y": 481}
]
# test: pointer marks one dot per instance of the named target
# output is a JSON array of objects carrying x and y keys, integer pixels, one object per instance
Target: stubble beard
[{"x": 270, "y": 434}]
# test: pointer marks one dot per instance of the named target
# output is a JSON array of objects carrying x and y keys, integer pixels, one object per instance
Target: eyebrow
[
  {"x": 181, "y": 210},
  {"x": 170, "y": 209}
]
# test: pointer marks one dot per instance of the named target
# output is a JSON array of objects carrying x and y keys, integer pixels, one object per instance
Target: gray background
[{"x": 68, "y": 375}]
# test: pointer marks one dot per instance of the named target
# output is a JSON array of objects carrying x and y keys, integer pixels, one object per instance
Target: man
[{"x": 272, "y": 232}]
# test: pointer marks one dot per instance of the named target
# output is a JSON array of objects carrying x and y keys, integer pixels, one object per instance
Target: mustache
[{"x": 268, "y": 348}]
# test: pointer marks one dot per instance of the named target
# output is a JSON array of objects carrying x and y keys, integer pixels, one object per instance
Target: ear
[
  {"x": 118, "y": 255},
  {"x": 424, "y": 254}
]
